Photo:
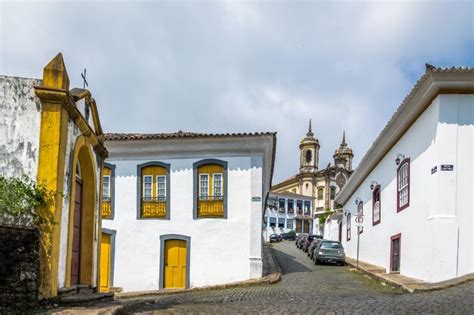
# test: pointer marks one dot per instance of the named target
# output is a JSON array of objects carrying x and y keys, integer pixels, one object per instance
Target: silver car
[{"x": 329, "y": 251}]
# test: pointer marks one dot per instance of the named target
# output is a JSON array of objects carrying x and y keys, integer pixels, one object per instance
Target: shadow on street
[{"x": 287, "y": 263}]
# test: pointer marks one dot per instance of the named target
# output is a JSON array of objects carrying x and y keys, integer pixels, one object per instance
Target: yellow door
[
  {"x": 175, "y": 264},
  {"x": 105, "y": 248}
]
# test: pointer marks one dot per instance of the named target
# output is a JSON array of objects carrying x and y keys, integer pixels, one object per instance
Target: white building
[
  {"x": 415, "y": 185},
  {"x": 282, "y": 212},
  {"x": 185, "y": 209}
]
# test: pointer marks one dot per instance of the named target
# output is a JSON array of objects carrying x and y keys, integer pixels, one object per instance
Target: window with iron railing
[
  {"x": 307, "y": 208},
  {"x": 291, "y": 206},
  {"x": 272, "y": 203},
  {"x": 153, "y": 194},
  {"x": 299, "y": 207},
  {"x": 281, "y": 205},
  {"x": 106, "y": 205},
  {"x": 211, "y": 192}
]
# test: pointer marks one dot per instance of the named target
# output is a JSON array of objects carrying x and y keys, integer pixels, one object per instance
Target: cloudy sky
[{"x": 242, "y": 66}]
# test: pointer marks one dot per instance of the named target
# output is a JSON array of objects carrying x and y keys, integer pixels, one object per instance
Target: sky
[{"x": 244, "y": 66}]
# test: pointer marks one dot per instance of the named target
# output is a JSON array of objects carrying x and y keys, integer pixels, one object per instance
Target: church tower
[
  {"x": 343, "y": 155},
  {"x": 309, "y": 152}
]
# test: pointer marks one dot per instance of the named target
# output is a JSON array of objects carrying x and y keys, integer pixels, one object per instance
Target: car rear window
[{"x": 336, "y": 245}]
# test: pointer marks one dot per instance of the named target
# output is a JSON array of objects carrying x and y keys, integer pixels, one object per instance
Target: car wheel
[{"x": 316, "y": 262}]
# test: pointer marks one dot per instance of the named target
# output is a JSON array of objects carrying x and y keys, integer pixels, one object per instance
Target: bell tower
[
  {"x": 309, "y": 152},
  {"x": 343, "y": 155}
]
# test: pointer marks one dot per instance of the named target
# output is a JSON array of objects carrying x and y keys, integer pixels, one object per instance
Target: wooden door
[
  {"x": 105, "y": 260},
  {"x": 395, "y": 253},
  {"x": 76, "y": 235},
  {"x": 298, "y": 226},
  {"x": 175, "y": 264}
]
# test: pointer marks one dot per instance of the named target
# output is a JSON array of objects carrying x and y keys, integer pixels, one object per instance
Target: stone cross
[{"x": 83, "y": 75}]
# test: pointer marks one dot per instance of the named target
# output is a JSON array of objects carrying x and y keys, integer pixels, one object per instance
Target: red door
[{"x": 76, "y": 235}]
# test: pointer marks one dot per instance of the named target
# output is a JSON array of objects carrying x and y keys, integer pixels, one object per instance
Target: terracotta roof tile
[{"x": 179, "y": 135}]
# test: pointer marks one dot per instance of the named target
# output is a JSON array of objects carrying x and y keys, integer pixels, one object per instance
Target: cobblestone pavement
[{"x": 306, "y": 288}]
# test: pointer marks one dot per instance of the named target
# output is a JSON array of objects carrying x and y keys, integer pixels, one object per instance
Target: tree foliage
[
  {"x": 21, "y": 199},
  {"x": 324, "y": 216}
]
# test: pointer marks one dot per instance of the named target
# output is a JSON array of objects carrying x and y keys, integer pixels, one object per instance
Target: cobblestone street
[{"x": 306, "y": 288}]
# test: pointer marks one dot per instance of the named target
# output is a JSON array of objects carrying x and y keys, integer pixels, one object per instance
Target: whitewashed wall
[
  {"x": 441, "y": 204},
  {"x": 20, "y": 119},
  {"x": 222, "y": 250}
]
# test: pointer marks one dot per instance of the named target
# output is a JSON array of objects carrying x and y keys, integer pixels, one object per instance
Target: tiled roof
[{"x": 179, "y": 135}]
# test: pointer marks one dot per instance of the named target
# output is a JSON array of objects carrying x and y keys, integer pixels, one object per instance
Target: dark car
[
  {"x": 312, "y": 246},
  {"x": 274, "y": 238},
  {"x": 297, "y": 239},
  {"x": 329, "y": 251},
  {"x": 301, "y": 241},
  {"x": 288, "y": 236},
  {"x": 308, "y": 241}
]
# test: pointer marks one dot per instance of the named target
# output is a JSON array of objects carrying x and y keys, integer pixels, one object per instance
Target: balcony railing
[
  {"x": 105, "y": 208},
  {"x": 153, "y": 207},
  {"x": 210, "y": 206}
]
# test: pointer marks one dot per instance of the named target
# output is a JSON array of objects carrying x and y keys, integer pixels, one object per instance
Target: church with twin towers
[{"x": 320, "y": 183}]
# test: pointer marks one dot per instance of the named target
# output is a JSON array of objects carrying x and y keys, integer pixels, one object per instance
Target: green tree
[{"x": 324, "y": 216}]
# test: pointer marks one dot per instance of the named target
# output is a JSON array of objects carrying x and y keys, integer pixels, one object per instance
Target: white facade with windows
[
  {"x": 415, "y": 185},
  {"x": 159, "y": 181},
  {"x": 287, "y": 212}
]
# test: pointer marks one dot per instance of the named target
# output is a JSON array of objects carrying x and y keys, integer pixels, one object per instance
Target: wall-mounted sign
[
  {"x": 434, "y": 169},
  {"x": 447, "y": 167},
  {"x": 256, "y": 199}
]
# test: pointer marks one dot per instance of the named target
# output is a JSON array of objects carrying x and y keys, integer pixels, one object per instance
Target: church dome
[
  {"x": 310, "y": 139},
  {"x": 343, "y": 148}
]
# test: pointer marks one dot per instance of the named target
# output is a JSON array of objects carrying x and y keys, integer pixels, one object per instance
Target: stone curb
[
  {"x": 133, "y": 300},
  {"x": 421, "y": 287},
  {"x": 377, "y": 277}
]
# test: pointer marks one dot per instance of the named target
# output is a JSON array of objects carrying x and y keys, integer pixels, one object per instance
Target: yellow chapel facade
[{"x": 53, "y": 134}]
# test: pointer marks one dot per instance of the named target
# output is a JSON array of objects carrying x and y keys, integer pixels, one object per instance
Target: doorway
[
  {"x": 395, "y": 245},
  {"x": 175, "y": 264},
  {"x": 76, "y": 234},
  {"x": 105, "y": 262}
]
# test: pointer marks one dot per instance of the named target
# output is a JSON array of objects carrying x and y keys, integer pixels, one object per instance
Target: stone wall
[
  {"x": 20, "y": 118},
  {"x": 19, "y": 268}
]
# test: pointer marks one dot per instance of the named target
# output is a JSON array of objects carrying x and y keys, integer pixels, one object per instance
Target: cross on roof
[{"x": 83, "y": 75}]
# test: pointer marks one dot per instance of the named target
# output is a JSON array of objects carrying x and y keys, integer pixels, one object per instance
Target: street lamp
[
  {"x": 373, "y": 184},
  {"x": 399, "y": 158}
]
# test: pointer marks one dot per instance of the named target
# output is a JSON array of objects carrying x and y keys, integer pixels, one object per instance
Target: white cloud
[{"x": 242, "y": 66}]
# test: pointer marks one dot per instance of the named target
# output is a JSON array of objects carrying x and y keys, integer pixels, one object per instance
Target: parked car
[
  {"x": 329, "y": 251},
  {"x": 308, "y": 241},
  {"x": 313, "y": 245},
  {"x": 298, "y": 237},
  {"x": 274, "y": 238},
  {"x": 288, "y": 236},
  {"x": 301, "y": 241}
]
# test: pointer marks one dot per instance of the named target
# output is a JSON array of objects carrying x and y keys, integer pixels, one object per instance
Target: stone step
[
  {"x": 82, "y": 298},
  {"x": 67, "y": 291},
  {"x": 84, "y": 289}
]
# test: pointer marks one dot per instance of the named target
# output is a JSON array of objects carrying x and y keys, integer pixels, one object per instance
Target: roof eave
[{"x": 429, "y": 86}]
